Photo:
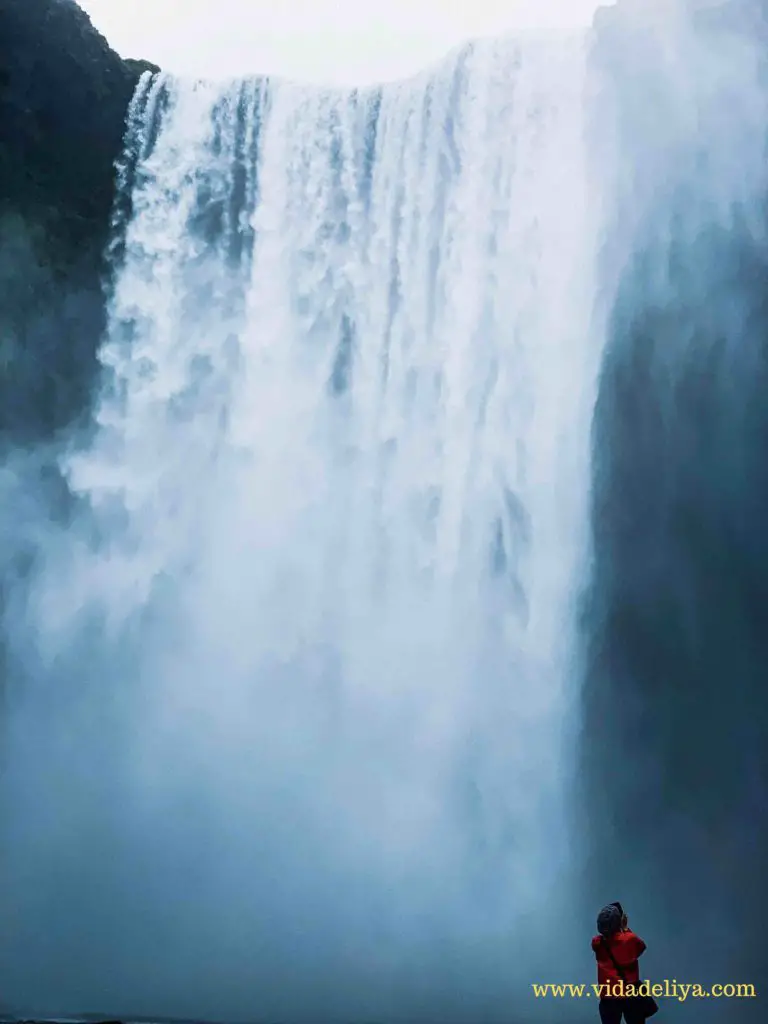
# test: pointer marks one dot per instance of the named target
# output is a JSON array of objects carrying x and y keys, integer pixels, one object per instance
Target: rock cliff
[{"x": 63, "y": 97}]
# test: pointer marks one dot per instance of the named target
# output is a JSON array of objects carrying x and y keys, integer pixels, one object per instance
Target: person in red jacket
[{"x": 616, "y": 950}]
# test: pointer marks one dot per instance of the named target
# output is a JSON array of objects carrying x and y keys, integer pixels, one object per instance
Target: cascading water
[{"x": 312, "y": 618}]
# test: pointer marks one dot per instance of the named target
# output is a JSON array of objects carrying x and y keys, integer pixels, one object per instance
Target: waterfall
[{"x": 306, "y": 650}]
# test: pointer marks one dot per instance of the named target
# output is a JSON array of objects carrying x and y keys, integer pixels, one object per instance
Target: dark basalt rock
[
  {"x": 64, "y": 94},
  {"x": 63, "y": 98}
]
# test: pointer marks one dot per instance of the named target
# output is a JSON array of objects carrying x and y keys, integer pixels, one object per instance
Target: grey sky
[{"x": 331, "y": 40}]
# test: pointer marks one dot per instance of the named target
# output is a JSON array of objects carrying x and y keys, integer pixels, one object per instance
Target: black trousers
[{"x": 613, "y": 1011}]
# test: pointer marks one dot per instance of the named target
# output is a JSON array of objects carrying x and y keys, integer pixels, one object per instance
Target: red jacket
[{"x": 626, "y": 948}]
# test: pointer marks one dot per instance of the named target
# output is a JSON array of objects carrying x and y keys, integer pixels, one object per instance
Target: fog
[{"x": 674, "y": 710}]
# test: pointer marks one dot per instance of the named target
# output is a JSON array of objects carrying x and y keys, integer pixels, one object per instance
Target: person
[{"x": 615, "y": 937}]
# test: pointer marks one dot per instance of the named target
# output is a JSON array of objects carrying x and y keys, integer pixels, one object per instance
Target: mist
[{"x": 674, "y": 709}]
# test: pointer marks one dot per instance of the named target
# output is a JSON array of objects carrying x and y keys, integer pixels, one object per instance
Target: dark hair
[{"x": 609, "y": 920}]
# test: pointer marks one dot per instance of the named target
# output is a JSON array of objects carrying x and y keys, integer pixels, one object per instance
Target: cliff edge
[
  {"x": 63, "y": 97},
  {"x": 64, "y": 94}
]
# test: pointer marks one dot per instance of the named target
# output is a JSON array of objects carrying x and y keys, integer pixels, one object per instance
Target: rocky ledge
[{"x": 64, "y": 94}]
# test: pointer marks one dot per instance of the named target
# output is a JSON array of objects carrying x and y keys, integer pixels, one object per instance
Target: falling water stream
[{"x": 311, "y": 624}]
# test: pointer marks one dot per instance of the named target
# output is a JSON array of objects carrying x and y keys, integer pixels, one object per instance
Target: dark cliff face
[
  {"x": 675, "y": 702},
  {"x": 63, "y": 99}
]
